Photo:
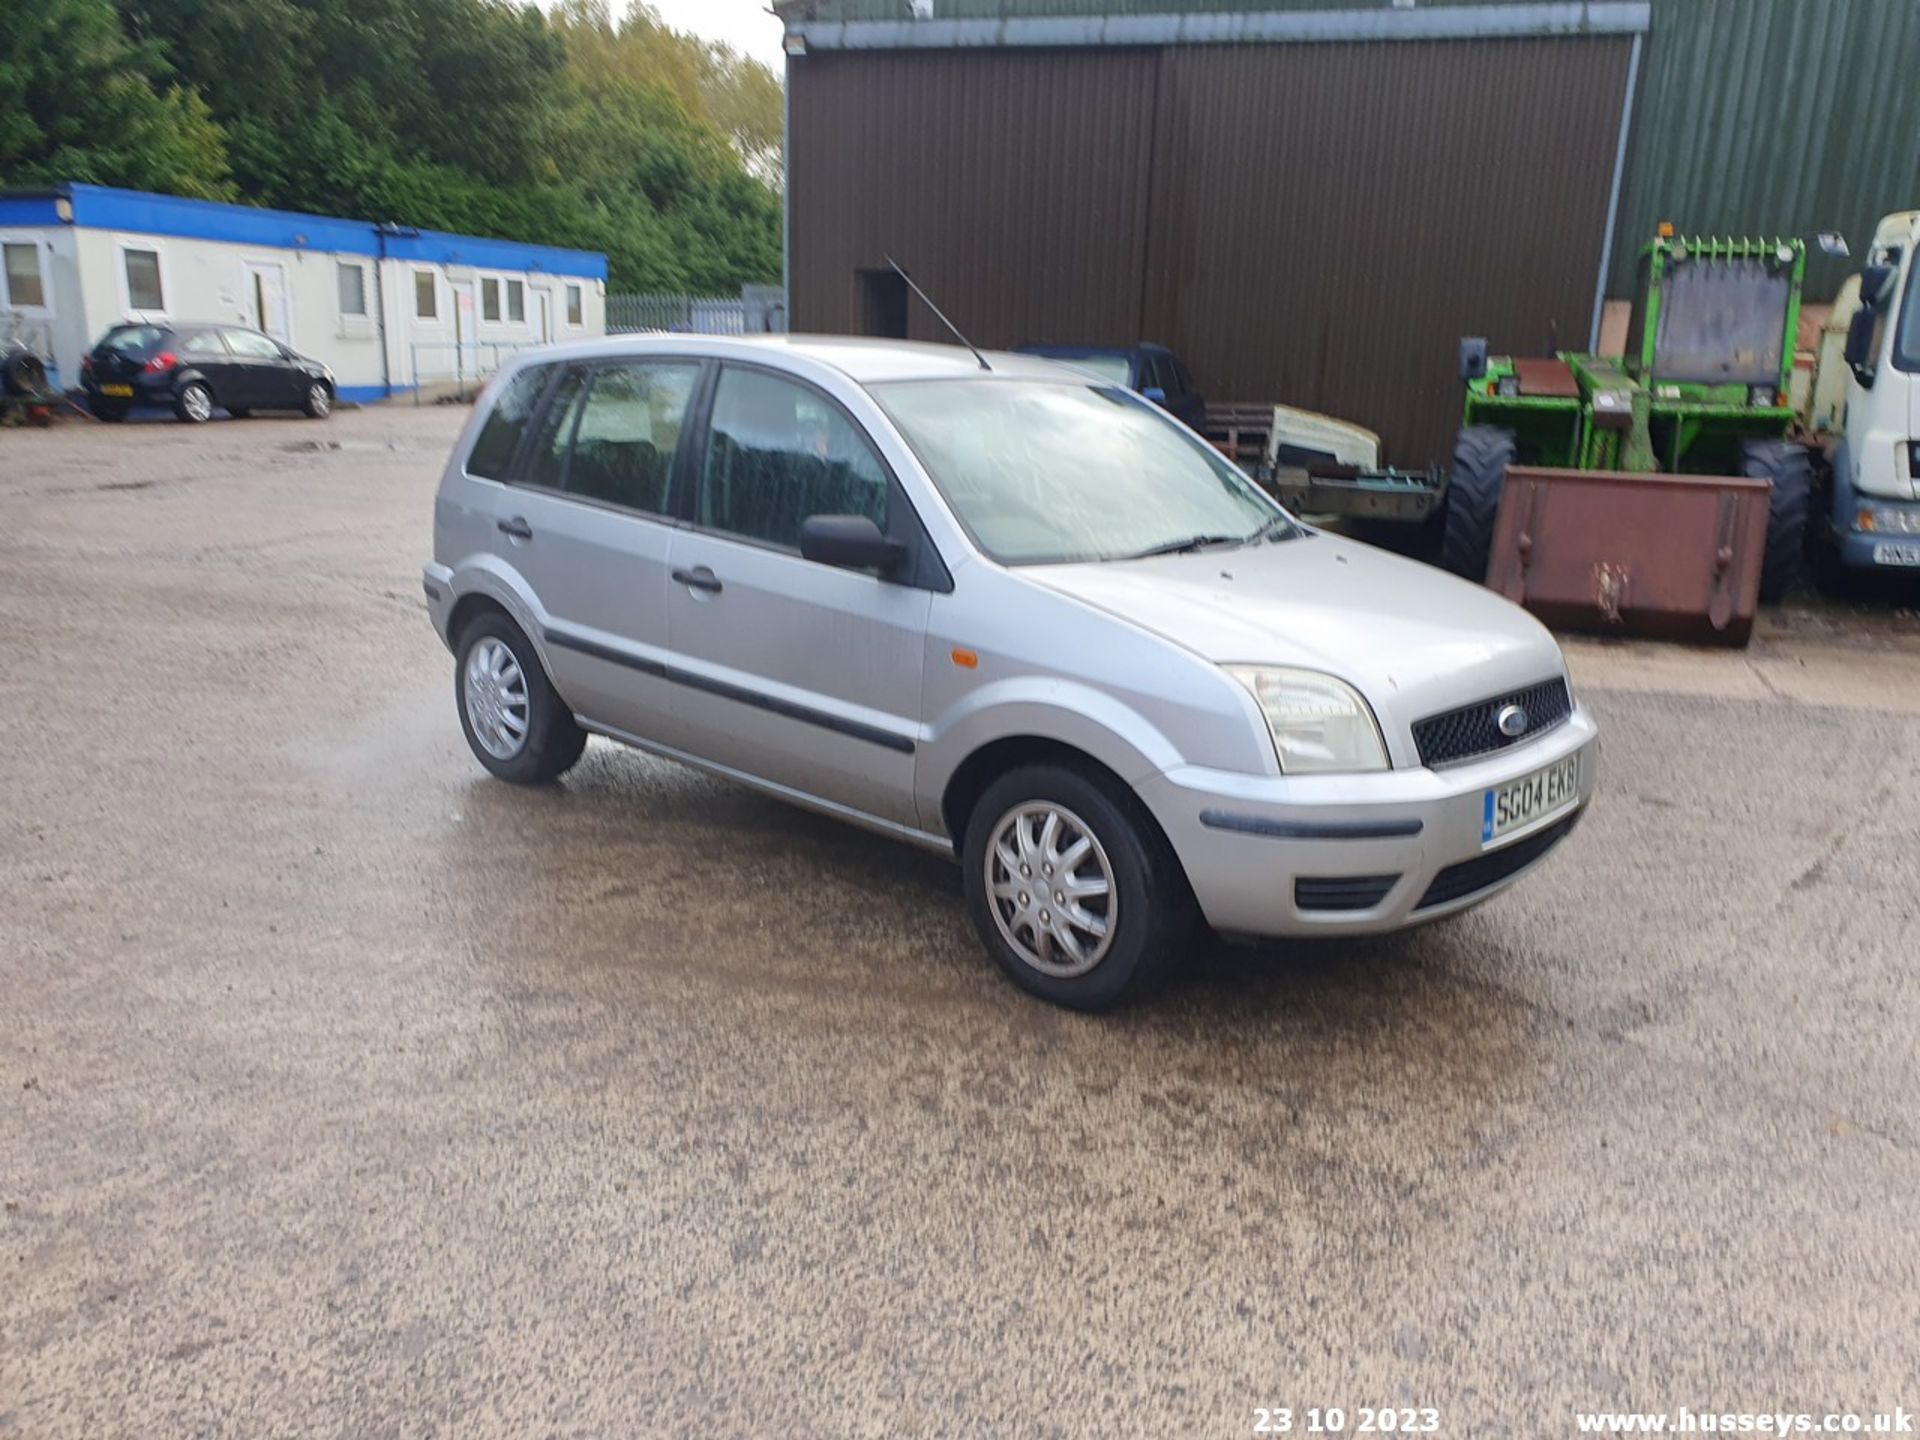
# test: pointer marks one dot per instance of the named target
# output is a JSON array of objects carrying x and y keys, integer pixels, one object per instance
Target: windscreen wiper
[
  {"x": 1280, "y": 527},
  {"x": 1184, "y": 547}
]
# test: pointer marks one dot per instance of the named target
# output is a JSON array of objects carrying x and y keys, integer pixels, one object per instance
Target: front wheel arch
[{"x": 997, "y": 757}]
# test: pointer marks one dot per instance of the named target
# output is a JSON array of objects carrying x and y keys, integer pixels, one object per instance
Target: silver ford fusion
[{"x": 1004, "y": 610}]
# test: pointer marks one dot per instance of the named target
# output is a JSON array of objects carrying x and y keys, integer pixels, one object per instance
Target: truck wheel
[
  {"x": 1481, "y": 456},
  {"x": 1790, "y": 468}
]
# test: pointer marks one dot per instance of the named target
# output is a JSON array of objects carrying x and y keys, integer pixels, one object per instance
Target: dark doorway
[{"x": 883, "y": 304}]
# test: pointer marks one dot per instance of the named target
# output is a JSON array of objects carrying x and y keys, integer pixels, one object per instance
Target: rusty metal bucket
[{"x": 1674, "y": 556}]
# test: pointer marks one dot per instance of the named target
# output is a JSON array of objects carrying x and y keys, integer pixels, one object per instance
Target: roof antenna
[{"x": 940, "y": 314}]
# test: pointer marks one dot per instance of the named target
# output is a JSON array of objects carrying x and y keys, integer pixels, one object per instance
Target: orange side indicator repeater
[{"x": 965, "y": 659}]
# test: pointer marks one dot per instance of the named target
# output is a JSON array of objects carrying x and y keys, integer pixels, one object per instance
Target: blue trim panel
[
  {"x": 101, "y": 207},
  {"x": 367, "y": 394},
  {"x": 805, "y": 714},
  {"x": 28, "y": 210},
  {"x": 1310, "y": 829}
]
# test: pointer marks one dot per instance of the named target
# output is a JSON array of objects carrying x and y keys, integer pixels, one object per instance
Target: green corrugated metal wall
[
  {"x": 1773, "y": 117},
  {"x": 1753, "y": 116}
]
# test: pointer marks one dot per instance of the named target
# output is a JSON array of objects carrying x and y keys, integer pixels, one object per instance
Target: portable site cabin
[{"x": 388, "y": 307}]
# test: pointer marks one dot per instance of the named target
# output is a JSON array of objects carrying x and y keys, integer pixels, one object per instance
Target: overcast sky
[{"x": 747, "y": 25}]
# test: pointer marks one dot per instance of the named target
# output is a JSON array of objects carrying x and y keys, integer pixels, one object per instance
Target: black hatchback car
[{"x": 193, "y": 368}]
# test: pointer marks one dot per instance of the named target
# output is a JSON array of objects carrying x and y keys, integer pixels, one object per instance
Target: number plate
[
  {"x": 1539, "y": 796},
  {"x": 116, "y": 390},
  {"x": 1896, "y": 555}
]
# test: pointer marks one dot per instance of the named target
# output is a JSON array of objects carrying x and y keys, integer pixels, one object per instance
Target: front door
[
  {"x": 585, "y": 522},
  {"x": 794, "y": 672},
  {"x": 264, "y": 378},
  {"x": 267, "y": 300}
]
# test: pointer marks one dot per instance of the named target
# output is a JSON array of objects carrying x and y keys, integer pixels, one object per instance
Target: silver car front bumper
[{"x": 1383, "y": 848}]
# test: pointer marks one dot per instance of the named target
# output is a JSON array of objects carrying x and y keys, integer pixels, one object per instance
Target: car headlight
[
  {"x": 1319, "y": 724},
  {"x": 1887, "y": 519}
]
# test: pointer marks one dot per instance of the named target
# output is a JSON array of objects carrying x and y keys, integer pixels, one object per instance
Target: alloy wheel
[
  {"x": 1051, "y": 889},
  {"x": 495, "y": 691}
]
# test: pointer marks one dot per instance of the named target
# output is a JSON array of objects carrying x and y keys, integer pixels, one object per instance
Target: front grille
[
  {"x": 1341, "y": 892},
  {"x": 1474, "y": 729},
  {"x": 1458, "y": 881}
]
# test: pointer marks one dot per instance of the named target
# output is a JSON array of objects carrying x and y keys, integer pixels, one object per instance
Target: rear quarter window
[{"x": 492, "y": 454}]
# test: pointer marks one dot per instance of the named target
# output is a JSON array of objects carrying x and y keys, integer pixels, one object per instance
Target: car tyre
[
  {"x": 194, "y": 403},
  {"x": 1790, "y": 468},
  {"x": 1481, "y": 455},
  {"x": 1147, "y": 906},
  {"x": 319, "y": 401},
  {"x": 516, "y": 725}
]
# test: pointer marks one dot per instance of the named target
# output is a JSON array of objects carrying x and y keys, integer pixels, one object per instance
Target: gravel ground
[{"x": 345, "y": 1091}]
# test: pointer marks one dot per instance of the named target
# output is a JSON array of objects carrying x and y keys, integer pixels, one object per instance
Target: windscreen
[
  {"x": 1906, "y": 341},
  {"x": 134, "y": 341},
  {"x": 1722, "y": 322},
  {"x": 1041, "y": 472}
]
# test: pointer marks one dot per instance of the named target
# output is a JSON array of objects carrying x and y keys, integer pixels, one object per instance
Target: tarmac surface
[{"x": 346, "y": 1091}]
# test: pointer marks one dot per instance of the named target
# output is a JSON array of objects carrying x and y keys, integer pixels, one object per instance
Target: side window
[
  {"x": 780, "y": 452},
  {"x": 547, "y": 464},
  {"x": 1160, "y": 373},
  {"x": 252, "y": 345},
  {"x": 629, "y": 433},
  {"x": 203, "y": 345},
  {"x": 489, "y": 298},
  {"x": 506, "y": 423},
  {"x": 1182, "y": 379}
]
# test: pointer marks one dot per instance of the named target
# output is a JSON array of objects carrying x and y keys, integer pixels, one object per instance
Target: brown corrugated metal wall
[{"x": 1316, "y": 224}]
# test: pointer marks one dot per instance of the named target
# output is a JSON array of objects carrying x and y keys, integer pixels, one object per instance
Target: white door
[
  {"x": 267, "y": 300},
  {"x": 466, "y": 331},
  {"x": 543, "y": 316}
]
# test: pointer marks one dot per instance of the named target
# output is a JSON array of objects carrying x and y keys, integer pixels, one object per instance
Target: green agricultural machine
[{"x": 1702, "y": 391}]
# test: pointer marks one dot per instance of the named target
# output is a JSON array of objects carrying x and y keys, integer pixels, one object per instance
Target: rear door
[
  {"x": 586, "y": 523},
  {"x": 802, "y": 674}
]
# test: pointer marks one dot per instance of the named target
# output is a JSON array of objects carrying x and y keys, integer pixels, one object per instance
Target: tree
[
  {"x": 80, "y": 101},
  {"x": 482, "y": 116}
]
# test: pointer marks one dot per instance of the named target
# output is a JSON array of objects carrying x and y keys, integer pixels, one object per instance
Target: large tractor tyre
[
  {"x": 1481, "y": 456},
  {"x": 1790, "y": 468}
]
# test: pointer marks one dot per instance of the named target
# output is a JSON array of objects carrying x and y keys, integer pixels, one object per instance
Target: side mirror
[
  {"x": 1473, "y": 358},
  {"x": 852, "y": 542},
  {"x": 1876, "y": 286},
  {"x": 1832, "y": 242},
  {"x": 1155, "y": 394},
  {"x": 1861, "y": 333}
]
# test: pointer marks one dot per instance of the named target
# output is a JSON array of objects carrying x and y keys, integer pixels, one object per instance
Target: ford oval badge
[{"x": 1512, "y": 721}]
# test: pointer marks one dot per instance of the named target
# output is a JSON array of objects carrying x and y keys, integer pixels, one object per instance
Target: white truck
[{"x": 1871, "y": 485}]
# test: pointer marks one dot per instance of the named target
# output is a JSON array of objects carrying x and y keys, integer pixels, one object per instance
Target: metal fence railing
[
  {"x": 456, "y": 371},
  {"x": 680, "y": 314}
]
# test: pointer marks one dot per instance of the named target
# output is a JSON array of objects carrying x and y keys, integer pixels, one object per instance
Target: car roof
[{"x": 866, "y": 361}]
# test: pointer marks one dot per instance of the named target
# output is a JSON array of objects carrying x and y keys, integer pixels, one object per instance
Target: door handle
[
  {"x": 516, "y": 528},
  {"x": 699, "y": 578}
]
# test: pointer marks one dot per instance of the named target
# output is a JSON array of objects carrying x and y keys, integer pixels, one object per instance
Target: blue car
[{"x": 1152, "y": 370}]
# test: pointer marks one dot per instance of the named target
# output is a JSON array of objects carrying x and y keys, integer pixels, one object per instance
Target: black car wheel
[
  {"x": 194, "y": 404},
  {"x": 319, "y": 401}
]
